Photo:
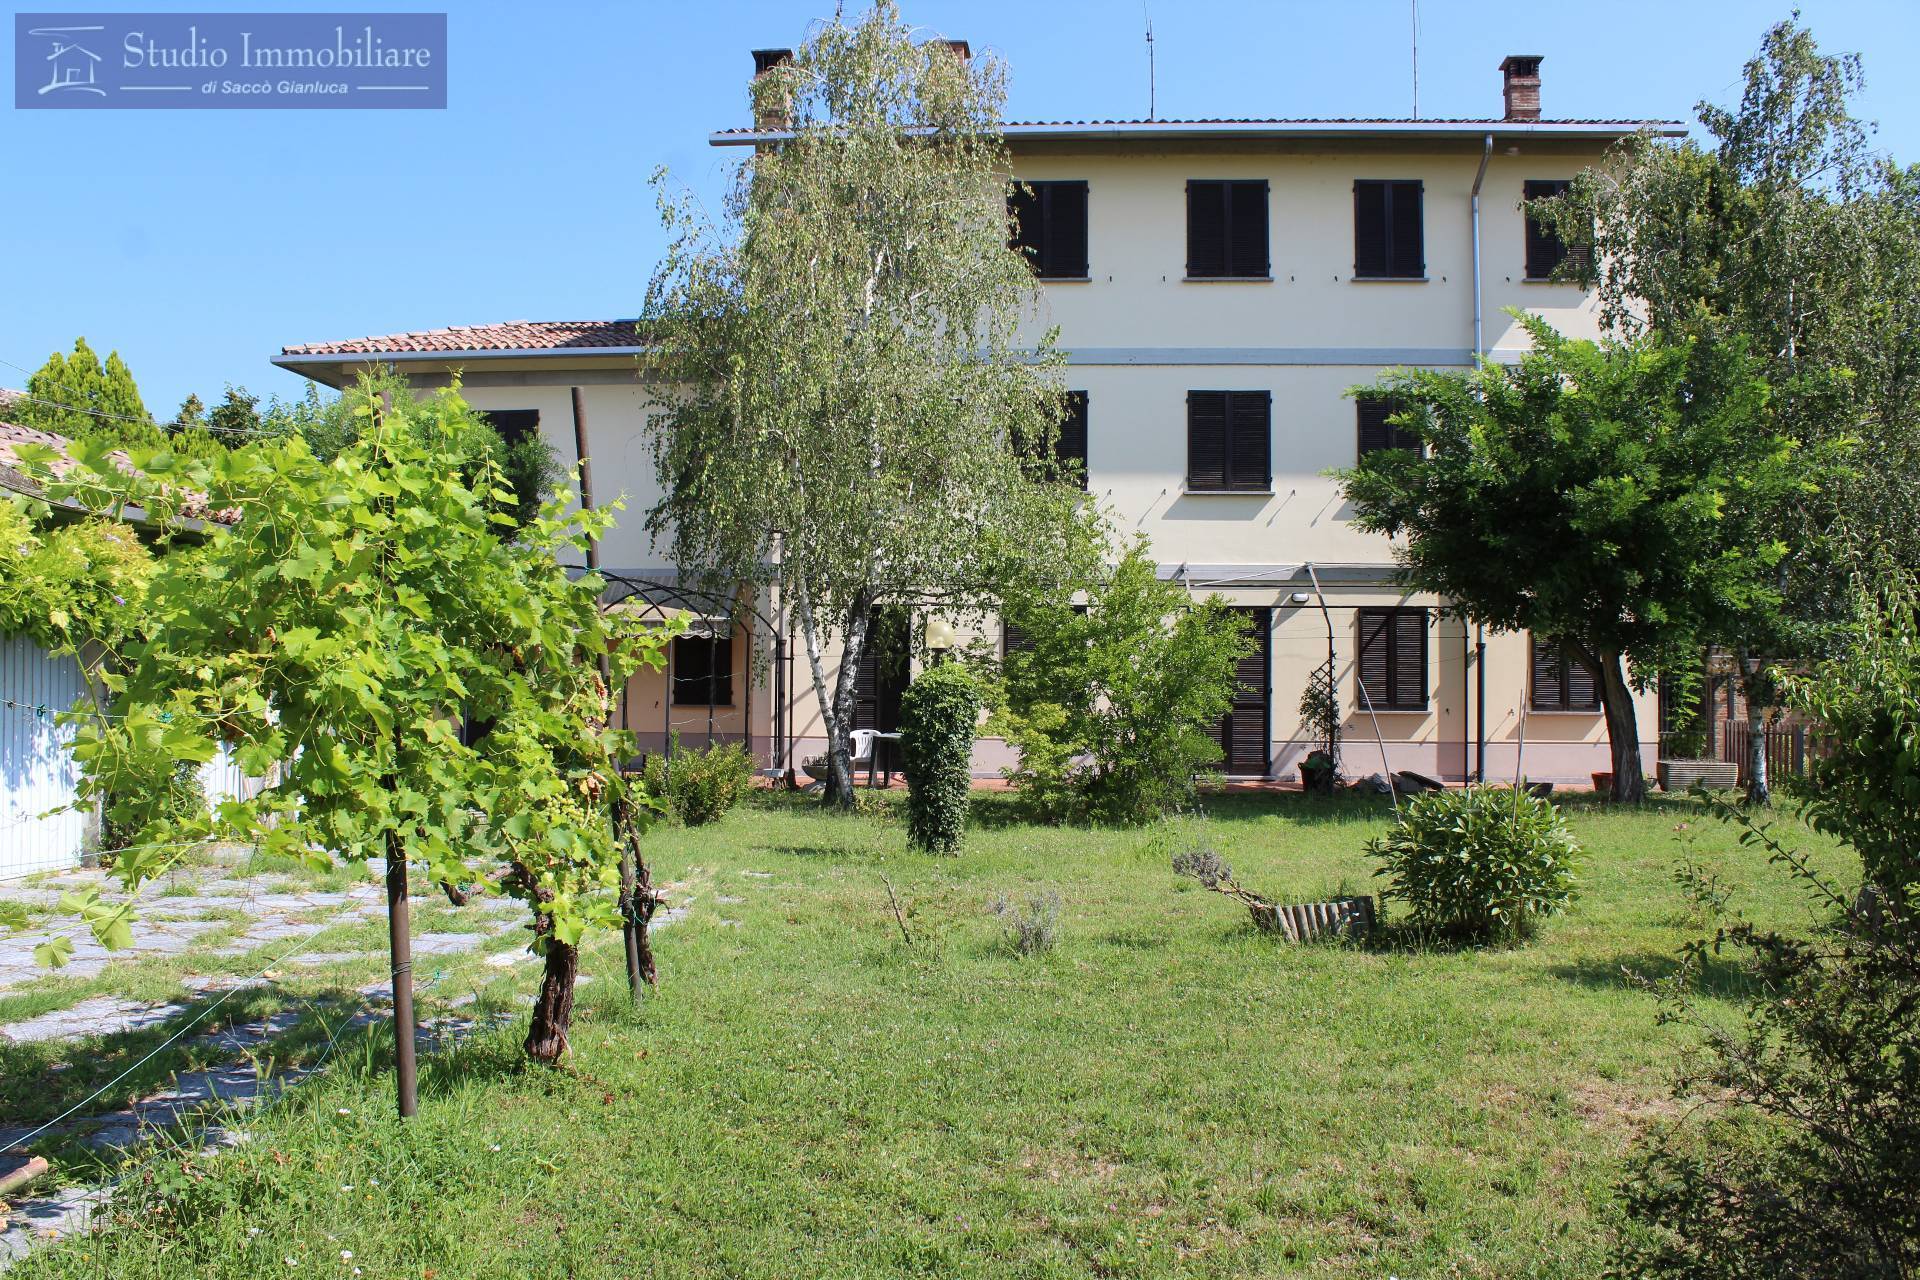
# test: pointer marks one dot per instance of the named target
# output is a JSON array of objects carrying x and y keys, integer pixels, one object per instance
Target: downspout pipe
[{"x": 1479, "y": 351}]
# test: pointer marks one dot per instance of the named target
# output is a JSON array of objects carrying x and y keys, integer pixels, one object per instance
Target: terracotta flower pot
[{"x": 1603, "y": 782}]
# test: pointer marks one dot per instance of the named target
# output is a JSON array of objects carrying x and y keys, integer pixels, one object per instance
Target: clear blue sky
[{"x": 197, "y": 243}]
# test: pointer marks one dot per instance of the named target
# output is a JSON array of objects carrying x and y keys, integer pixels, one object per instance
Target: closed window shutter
[
  {"x": 703, "y": 671},
  {"x": 1066, "y": 229},
  {"x": 1370, "y": 229},
  {"x": 1023, "y": 204},
  {"x": 1250, "y": 423},
  {"x": 1071, "y": 447},
  {"x": 1013, "y": 639},
  {"x": 1549, "y": 682},
  {"x": 1410, "y": 658},
  {"x": 1375, "y": 659},
  {"x": 1247, "y": 225},
  {"x": 1206, "y": 229},
  {"x": 1375, "y": 434},
  {"x": 1206, "y": 439},
  {"x": 1409, "y": 256},
  {"x": 1583, "y": 686},
  {"x": 1545, "y": 250}
]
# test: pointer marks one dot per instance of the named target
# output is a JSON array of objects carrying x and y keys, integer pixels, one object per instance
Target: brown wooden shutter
[
  {"x": 1408, "y": 257},
  {"x": 1582, "y": 684},
  {"x": 1250, "y": 440},
  {"x": 1071, "y": 445},
  {"x": 1206, "y": 229},
  {"x": 1370, "y": 229},
  {"x": 1545, "y": 250},
  {"x": 1245, "y": 732},
  {"x": 1013, "y": 639},
  {"x": 1206, "y": 439},
  {"x": 1549, "y": 684},
  {"x": 1375, "y": 659},
  {"x": 1374, "y": 432},
  {"x": 1023, "y": 203},
  {"x": 1247, "y": 229},
  {"x": 1066, "y": 217},
  {"x": 1410, "y": 658}
]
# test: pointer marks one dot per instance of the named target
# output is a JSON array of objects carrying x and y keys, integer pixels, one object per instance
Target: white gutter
[
  {"x": 1479, "y": 343},
  {"x": 1579, "y": 130},
  {"x": 289, "y": 361}
]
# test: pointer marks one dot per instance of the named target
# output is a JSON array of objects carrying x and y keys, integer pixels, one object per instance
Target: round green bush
[
  {"x": 938, "y": 716},
  {"x": 1478, "y": 864},
  {"x": 699, "y": 786}
]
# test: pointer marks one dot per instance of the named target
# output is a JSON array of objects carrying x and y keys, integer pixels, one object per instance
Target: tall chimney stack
[
  {"x": 1520, "y": 89},
  {"x": 770, "y": 113},
  {"x": 961, "y": 49}
]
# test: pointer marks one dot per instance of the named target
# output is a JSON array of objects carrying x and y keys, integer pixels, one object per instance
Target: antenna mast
[
  {"x": 1416, "y": 59},
  {"x": 1152, "y": 104}
]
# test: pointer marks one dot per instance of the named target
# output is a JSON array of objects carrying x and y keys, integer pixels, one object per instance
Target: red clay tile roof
[
  {"x": 13, "y": 476},
  {"x": 514, "y": 335}
]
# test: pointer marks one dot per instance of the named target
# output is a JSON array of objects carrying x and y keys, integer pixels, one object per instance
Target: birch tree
[{"x": 846, "y": 391}]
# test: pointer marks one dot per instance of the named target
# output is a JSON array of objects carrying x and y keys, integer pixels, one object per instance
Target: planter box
[
  {"x": 1306, "y": 921},
  {"x": 1715, "y": 775}
]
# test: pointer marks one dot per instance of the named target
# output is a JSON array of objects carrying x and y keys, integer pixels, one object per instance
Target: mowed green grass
[{"x": 1165, "y": 1093}]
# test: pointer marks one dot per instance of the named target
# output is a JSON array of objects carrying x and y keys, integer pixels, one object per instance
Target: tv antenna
[
  {"x": 1151, "y": 102},
  {"x": 1416, "y": 58}
]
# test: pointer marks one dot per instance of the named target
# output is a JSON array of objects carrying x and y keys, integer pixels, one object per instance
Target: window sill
[
  {"x": 1565, "y": 284},
  {"x": 1421, "y": 710},
  {"x": 1228, "y": 493},
  {"x": 1064, "y": 279},
  {"x": 1389, "y": 280},
  {"x": 705, "y": 706},
  {"x": 1266, "y": 279},
  {"x": 1585, "y": 713}
]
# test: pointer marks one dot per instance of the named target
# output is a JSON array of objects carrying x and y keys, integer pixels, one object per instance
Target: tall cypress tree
[{"x": 79, "y": 397}]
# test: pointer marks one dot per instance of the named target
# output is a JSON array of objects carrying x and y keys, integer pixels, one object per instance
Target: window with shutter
[
  {"x": 1050, "y": 227},
  {"x": 1562, "y": 681},
  {"x": 703, "y": 671},
  {"x": 1069, "y": 457},
  {"x": 1227, "y": 230},
  {"x": 1376, "y": 432},
  {"x": 1545, "y": 250},
  {"x": 514, "y": 425},
  {"x": 1389, "y": 236},
  {"x": 1229, "y": 441},
  {"x": 1393, "y": 659}
]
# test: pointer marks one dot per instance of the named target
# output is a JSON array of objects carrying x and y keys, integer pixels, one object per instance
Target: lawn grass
[{"x": 1165, "y": 1093}]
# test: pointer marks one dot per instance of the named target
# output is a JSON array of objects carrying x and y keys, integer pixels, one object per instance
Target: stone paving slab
[{"x": 95, "y": 1016}]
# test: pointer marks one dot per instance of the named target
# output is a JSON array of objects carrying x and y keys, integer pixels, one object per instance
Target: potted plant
[
  {"x": 1320, "y": 724},
  {"x": 1317, "y": 773}
]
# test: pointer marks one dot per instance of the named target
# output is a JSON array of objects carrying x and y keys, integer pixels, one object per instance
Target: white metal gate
[{"x": 38, "y": 828}]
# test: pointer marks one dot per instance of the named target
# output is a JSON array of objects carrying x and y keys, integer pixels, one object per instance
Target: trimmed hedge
[{"x": 938, "y": 715}]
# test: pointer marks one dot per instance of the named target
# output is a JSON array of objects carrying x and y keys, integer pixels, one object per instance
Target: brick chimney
[
  {"x": 961, "y": 49},
  {"x": 770, "y": 111},
  {"x": 1520, "y": 89}
]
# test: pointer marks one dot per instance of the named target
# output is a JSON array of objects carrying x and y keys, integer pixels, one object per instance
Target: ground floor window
[
  {"x": 1393, "y": 659},
  {"x": 1562, "y": 680},
  {"x": 703, "y": 671}
]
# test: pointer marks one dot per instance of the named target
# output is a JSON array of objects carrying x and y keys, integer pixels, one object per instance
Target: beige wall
[{"x": 1140, "y": 337}]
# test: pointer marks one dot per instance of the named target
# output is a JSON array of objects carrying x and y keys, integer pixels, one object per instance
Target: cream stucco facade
[{"x": 1139, "y": 337}]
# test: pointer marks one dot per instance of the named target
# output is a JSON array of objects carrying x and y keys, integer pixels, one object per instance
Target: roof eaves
[{"x": 1187, "y": 129}]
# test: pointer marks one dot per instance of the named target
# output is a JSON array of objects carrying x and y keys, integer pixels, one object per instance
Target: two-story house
[{"x": 1219, "y": 285}]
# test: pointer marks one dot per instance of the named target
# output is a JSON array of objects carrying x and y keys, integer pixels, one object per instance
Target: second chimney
[
  {"x": 1520, "y": 89},
  {"x": 770, "y": 112}
]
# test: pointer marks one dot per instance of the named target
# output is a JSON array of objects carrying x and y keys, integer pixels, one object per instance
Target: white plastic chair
[{"x": 861, "y": 745}]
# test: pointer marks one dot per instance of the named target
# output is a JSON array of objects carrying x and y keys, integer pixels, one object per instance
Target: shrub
[
  {"x": 1478, "y": 864},
  {"x": 699, "y": 787},
  {"x": 182, "y": 798},
  {"x": 1031, "y": 927},
  {"x": 1807, "y": 1158},
  {"x": 938, "y": 715},
  {"x": 1111, "y": 706}
]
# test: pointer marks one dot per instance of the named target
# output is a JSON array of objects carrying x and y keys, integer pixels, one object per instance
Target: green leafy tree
[
  {"x": 1111, "y": 705},
  {"x": 845, "y": 389},
  {"x": 80, "y": 397},
  {"x": 1615, "y": 498},
  {"x": 1785, "y": 227},
  {"x": 337, "y": 636},
  {"x": 1800, "y": 1152},
  {"x": 192, "y": 414}
]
